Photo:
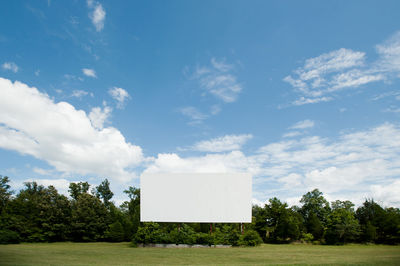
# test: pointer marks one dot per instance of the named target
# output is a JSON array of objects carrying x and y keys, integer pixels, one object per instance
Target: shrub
[
  {"x": 250, "y": 238},
  {"x": 9, "y": 237},
  {"x": 115, "y": 233}
]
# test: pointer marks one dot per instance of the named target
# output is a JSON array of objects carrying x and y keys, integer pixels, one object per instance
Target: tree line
[{"x": 40, "y": 214}]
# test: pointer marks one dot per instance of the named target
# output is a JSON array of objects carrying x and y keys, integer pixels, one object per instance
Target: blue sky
[{"x": 302, "y": 95}]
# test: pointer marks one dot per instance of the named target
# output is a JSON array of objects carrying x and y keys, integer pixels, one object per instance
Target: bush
[
  {"x": 204, "y": 239},
  {"x": 115, "y": 233},
  {"x": 186, "y": 235},
  {"x": 9, "y": 237},
  {"x": 307, "y": 237},
  {"x": 250, "y": 238},
  {"x": 226, "y": 235}
]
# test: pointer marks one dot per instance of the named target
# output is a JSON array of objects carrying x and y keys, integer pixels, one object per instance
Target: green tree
[
  {"x": 104, "y": 192},
  {"x": 342, "y": 226},
  {"x": 39, "y": 214},
  {"x": 132, "y": 210},
  {"x": 76, "y": 189},
  {"x": 88, "y": 219},
  {"x": 315, "y": 211},
  {"x": 5, "y": 192}
]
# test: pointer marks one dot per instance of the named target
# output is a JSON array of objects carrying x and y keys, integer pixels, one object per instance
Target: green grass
[{"x": 123, "y": 254}]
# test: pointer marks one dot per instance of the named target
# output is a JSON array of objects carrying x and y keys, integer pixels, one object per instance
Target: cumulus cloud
[
  {"x": 89, "y": 72},
  {"x": 32, "y": 123},
  {"x": 10, "y": 66},
  {"x": 222, "y": 144},
  {"x": 321, "y": 76},
  {"x": 120, "y": 95},
  {"x": 97, "y": 14}
]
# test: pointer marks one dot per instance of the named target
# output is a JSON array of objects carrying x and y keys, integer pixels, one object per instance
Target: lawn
[{"x": 123, "y": 254}]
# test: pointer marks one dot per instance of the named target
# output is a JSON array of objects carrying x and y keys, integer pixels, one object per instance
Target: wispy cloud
[
  {"x": 303, "y": 124},
  {"x": 79, "y": 93},
  {"x": 98, "y": 116},
  {"x": 194, "y": 114},
  {"x": 222, "y": 144},
  {"x": 97, "y": 14},
  {"x": 219, "y": 80},
  {"x": 321, "y": 76},
  {"x": 10, "y": 66},
  {"x": 120, "y": 95},
  {"x": 89, "y": 72}
]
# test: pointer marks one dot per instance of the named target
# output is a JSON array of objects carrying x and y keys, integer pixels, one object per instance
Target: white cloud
[
  {"x": 99, "y": 116},
  {"x": 194, "y": 114},
  {"x": 292, "y": 134},
  {"x": 302, "y": 100},
  {"x": 352, "y": 166},
  {"x": 10, "y": 66},
  {"x": 33, "y": 124},
  {"x": 221, "y": 65},
  {"x": 79, "y": 93},
  {"x": 89, "y": 72},
  {"x": 42, "y": 171},
  {"x": 234, "y": 161},
  {"x": 219, "y": 80},
  {"x": 389, "y": 52},
  {"x": 97, "y": 14},
  {"x": 303, "y": 124},
  {"x": 331, "y": 72},
  {"x": 120, "y": 95},
  {"x": 222, "y": 144}
]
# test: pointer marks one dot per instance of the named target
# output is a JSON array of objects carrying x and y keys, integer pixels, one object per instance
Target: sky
[{"x": 301, "y": 94}]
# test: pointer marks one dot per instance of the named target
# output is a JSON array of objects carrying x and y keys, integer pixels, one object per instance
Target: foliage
[
  {"x": 40, "y": 214},
  {"x": 104, "y": 192},
  {"x": 250, "y": 238}
]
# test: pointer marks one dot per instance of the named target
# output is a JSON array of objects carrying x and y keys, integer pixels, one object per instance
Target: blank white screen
[{"x": 208, "y": 198}]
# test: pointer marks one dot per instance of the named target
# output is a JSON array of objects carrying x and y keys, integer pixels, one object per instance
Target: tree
[
  {"x": 88, "y": 221},
  {"x": 39, "y": 214},
  {"x": 132, "y": 209},
  {"x": 315, "y": 211},
  {"x": 104, "y": 192},
  {"x": 342, "y": 226},
  {"x": 5, "y": 192},
  {"x": 76, "y": 189}
]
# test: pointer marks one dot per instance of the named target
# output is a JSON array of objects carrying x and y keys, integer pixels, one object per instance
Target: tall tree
[
  {"x": 76, "y": 189},
  {"x": 315, "y": 211},
  {"x": 5, "y": 192},
  {"x": 342, "y": 226},
  {"x": 104, "y": 192}
]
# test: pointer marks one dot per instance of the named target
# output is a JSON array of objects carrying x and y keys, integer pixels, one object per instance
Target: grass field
[{"x": 122, "y": 254}]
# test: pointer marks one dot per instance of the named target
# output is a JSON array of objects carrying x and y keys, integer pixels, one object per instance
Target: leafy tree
[
  {"x": 76, "y": 189},
  {"x": 88, "y": 222},
  {"x": 132, "y": 209},
  {"x": 315, "y": 211},
  {"x": 115, "y": 232},
  {"x": 5, "y": 192},
  {"x": 39, "y": 214},
  {"x": 342, "y": 226},
  {"x": 104, "y": 192}
]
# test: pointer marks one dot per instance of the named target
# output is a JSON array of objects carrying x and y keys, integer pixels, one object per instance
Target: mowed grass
[{"x": 123, "y": 254}]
